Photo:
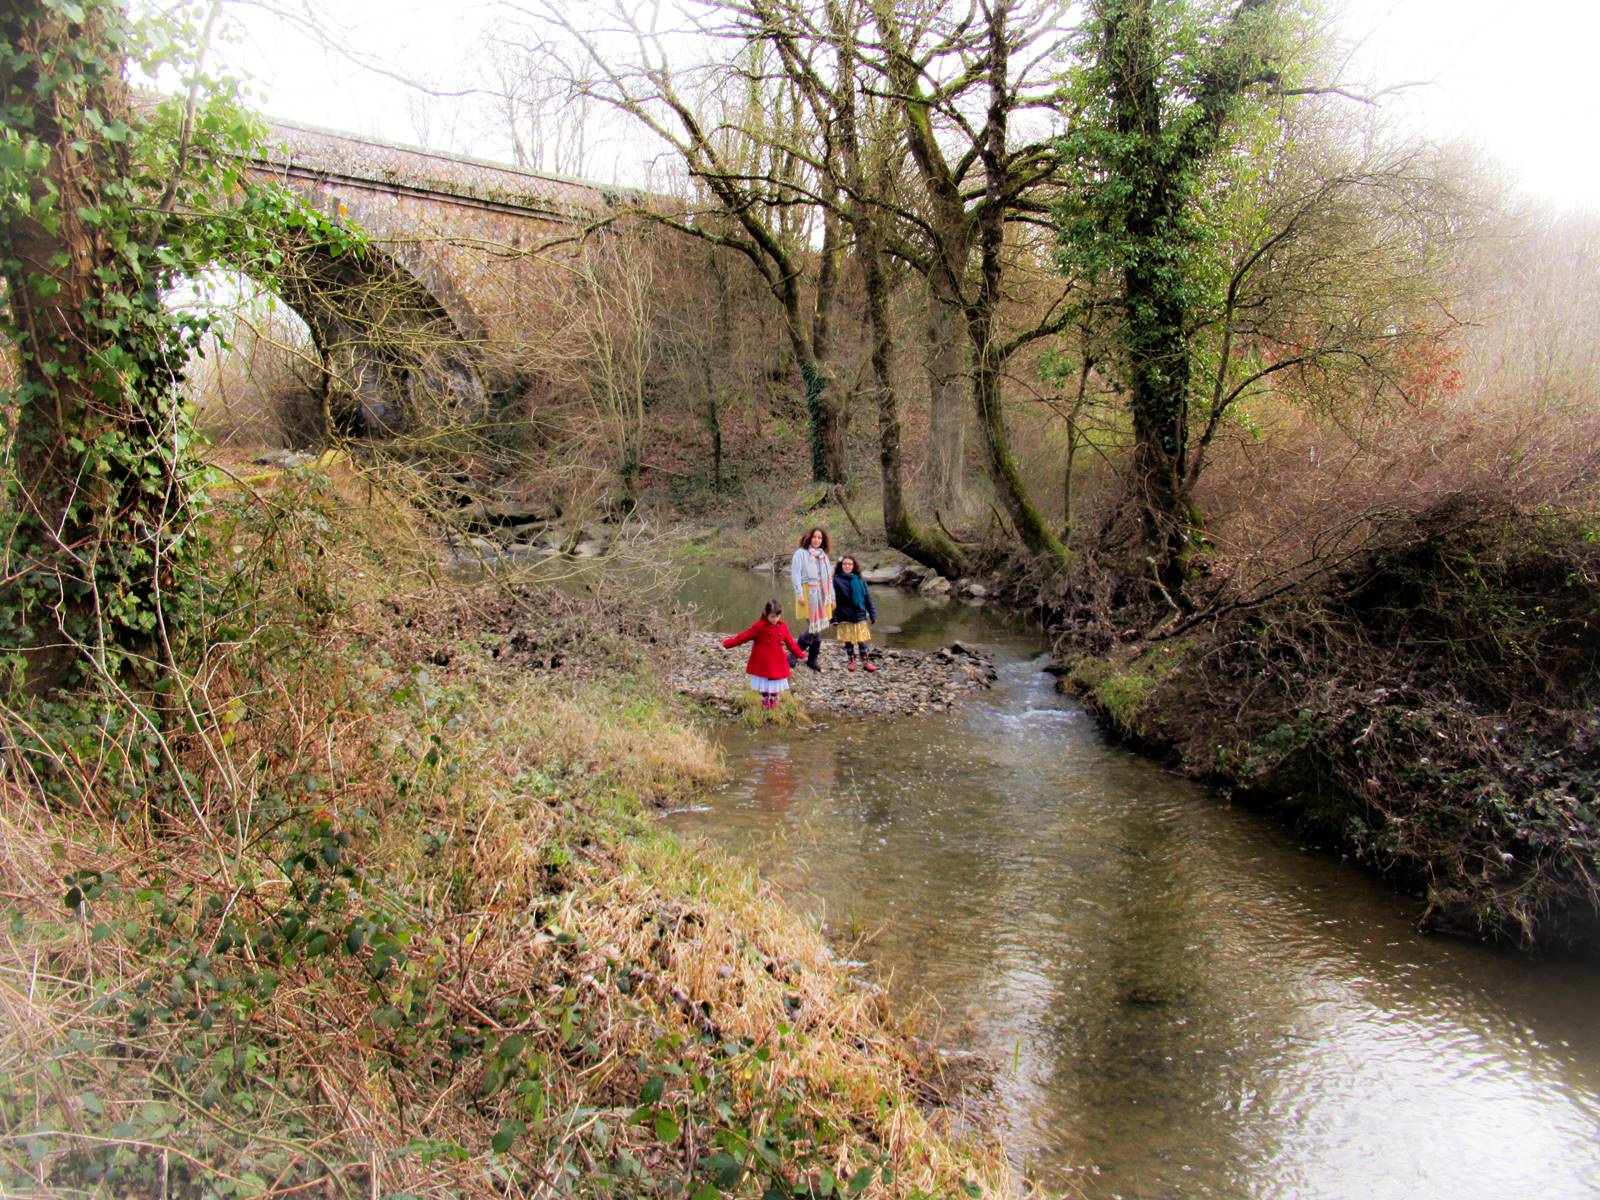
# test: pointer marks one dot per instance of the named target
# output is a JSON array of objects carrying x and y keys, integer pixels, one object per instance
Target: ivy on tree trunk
[{"x": 1157, "y": 90}]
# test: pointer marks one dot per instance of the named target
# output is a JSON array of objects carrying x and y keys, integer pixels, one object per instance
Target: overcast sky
[{"x": 1516, "y": 78}]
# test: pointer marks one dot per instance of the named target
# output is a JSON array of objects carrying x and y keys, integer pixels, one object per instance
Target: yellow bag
[{"x": 802, "y": 610}]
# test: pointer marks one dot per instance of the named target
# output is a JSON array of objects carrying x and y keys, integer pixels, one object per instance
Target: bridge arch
[
  {"x": 393, "y": 354},
  {"x": 437, "y": 312}
]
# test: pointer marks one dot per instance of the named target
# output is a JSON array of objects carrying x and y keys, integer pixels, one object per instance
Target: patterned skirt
[
  {"x": 768, "y": 687},
  {"x": 854, "y": 632},
  {"x": 818, "y": 608}
]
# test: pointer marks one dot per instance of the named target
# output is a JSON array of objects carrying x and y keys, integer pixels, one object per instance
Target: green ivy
[
  {"x": 1164, "y": 104},
  {"x": 110, "y": 197}
]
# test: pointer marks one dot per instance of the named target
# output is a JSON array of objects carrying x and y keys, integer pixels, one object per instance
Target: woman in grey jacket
[{"x": 811, "y": 570}]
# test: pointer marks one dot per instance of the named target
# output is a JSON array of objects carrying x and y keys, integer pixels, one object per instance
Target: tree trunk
[
  {"x": 904, "y": 533},
  {"x": 53, "y": 267},
  {"x": 989, "y": 357},
  {"x": 1034, "y": 530},
  {"x": 947, "y": 402},
  {"x": 822, "y": 407}
]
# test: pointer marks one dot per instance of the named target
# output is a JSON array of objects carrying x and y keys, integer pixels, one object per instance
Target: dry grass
[
  {"x": 372, "y": 925},
  {"x": 788, "y": 714}
]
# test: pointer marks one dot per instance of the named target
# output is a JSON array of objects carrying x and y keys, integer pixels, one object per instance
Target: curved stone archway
[
  {"x": 393, "y": 355},
  {"x": 417, "y": 326}
]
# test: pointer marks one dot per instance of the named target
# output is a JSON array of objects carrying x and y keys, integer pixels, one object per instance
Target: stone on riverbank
[{"x": 907, "y": 681}]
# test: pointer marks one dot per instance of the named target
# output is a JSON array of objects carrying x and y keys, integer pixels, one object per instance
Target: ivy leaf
[
  {"x": 725, "y": 1170},
  {"x": 666, "y": 1127},
  {"x": 510, "y": 1130}
]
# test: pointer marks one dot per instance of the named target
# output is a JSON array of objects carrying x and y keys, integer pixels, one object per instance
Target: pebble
[{"x": 907, "y": 681}]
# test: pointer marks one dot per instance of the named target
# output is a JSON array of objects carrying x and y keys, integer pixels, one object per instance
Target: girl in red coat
[{"x": 768, "y": 668}]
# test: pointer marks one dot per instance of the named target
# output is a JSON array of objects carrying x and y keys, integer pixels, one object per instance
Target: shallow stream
[{"x": 1175, "y": 998}]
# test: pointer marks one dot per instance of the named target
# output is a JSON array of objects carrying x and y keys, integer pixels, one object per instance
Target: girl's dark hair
[
  {"x": 827, "y": 546},
  {"x": 855, "y": 564},
  {"x": 771, "y": 609}
]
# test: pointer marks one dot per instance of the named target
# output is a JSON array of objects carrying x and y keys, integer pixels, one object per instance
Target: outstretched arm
[
  {"x": 794, "y": 646},
  {"x": 740, "y": 639}
]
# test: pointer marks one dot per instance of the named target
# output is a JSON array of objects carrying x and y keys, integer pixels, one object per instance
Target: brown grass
[{"x": 486, "y": 815}]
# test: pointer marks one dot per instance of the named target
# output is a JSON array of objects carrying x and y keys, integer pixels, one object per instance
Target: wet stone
[
  {"x": 907, "y": 681},
  {"x": 885, "y": 575}
]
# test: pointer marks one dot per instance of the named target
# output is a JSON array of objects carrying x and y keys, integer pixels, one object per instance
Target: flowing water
[{"x": 1174, "y": 998}]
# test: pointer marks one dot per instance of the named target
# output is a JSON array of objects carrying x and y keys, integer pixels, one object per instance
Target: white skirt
[{"x": 768, "y": 687}]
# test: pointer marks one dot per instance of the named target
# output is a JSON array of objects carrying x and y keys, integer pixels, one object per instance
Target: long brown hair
[{"x": 827, "y": 545}]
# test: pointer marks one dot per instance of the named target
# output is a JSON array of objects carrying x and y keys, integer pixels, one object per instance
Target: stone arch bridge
[{"x": 410, "y": 324}]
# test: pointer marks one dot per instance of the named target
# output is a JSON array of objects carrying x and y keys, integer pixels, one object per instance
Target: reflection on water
[{"x": 1177, "y": 1000}]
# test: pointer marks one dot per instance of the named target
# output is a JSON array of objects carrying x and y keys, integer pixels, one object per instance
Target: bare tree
[
  {"x": 964, "y": 82},
  {"x": 742, "y": 135},
  {"x": 550, "y": 125}
]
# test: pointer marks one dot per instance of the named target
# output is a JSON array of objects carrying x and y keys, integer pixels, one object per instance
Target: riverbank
[
  {"x": 1428, "y": 710},
  {"x": 388, "y": 912}
]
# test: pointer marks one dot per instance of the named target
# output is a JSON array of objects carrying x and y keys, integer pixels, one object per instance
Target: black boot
[{"x": 813, "y": 651}]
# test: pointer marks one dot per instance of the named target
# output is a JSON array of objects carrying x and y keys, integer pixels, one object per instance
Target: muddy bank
[
  {"x": 906, "y": 682},
  {"x": 1429, "y": 711}
]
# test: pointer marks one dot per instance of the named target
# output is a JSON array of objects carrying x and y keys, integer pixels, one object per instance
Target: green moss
[{"x": 1121, "y": 690}]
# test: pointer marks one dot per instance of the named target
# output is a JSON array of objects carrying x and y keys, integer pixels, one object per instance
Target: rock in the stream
[
  {"x": 764, "y": 567},
  {"x": 885, "y": 575},
  {"x": 286, "y": 460},
  {"x": 496, "y": 511},
  {"x": 934, "y": 585},
  {"x": 526, "y": 551}
]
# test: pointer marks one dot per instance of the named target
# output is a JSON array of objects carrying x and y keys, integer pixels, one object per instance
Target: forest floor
[{"x": 379, "y": 906}]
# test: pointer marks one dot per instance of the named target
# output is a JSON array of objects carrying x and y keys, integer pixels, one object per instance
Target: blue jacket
[{"x": 852, "y": 599}]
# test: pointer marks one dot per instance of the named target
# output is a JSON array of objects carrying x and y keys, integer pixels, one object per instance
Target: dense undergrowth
[
  {"x": 365, "y": 900},
  {"x": 1431, "y": 708}
]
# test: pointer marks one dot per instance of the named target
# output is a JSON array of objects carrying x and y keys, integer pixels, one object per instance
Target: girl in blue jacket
[{"x": 853, "y": 611}]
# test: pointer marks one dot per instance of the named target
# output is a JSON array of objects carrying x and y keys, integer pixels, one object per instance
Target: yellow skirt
[{"x": 854, "y": 631}]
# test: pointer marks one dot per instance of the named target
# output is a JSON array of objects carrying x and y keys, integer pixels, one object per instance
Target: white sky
[{"x": 1514, "y": 77}]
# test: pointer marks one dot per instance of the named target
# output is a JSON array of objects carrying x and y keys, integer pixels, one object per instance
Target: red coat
[{"x": 767, "y": 658}]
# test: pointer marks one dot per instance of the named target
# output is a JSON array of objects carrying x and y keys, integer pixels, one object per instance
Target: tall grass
[{"x": 365, "y": 899}]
